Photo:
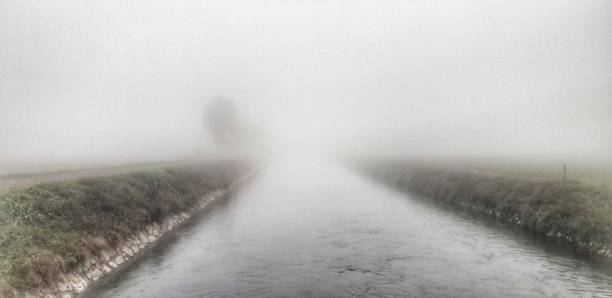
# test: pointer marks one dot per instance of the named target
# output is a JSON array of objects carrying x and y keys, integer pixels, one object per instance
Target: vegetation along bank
[
  {"x": 572, "y": 211},
  {"x": 58, "y": 238}
]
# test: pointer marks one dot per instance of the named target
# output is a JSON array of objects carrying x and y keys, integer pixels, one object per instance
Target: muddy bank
[
  {"x": 56, "y": 239},
  {"x": 569, "y": 211}
]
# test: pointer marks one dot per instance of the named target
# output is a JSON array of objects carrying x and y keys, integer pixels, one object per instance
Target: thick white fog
[{"x": 128, "y": 81}]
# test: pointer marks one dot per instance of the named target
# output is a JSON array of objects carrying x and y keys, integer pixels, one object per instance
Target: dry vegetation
[
  {"x": 573, "y": 211},
  {"x": 49, "y": 229}
]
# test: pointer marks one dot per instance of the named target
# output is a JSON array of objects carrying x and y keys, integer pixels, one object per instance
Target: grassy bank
[
  {"x": 49, "y": 229},
  {"x": 573, "y": 211}
]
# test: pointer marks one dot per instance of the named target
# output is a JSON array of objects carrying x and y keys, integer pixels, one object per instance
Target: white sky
[{"x": 128, "y": 79}]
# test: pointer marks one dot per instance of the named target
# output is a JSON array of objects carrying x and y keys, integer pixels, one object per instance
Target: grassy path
[{"x": 34, "y": 178}]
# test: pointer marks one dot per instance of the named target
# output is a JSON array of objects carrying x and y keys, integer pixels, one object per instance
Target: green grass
[
  {"x": 47, "y": 229},
  {"x": 574, "y": 211}
]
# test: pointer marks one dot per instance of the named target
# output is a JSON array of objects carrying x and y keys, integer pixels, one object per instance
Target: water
[{"x": 319, "y": 230}]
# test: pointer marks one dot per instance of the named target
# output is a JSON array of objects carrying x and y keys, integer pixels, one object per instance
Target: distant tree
[{"x": 221, "y": 117}]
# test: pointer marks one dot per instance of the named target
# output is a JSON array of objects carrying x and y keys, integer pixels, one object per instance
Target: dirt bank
[
  {"x": 571, "y": 211},
  {"x": 57, "y": 238}
]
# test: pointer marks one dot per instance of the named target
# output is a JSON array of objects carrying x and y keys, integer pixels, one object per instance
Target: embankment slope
[
  {"x": 571, "y": 211},
  {"x": 57, "y": 238}
]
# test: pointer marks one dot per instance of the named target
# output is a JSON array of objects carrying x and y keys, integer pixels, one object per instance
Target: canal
[{"x": 319, "y": 230}]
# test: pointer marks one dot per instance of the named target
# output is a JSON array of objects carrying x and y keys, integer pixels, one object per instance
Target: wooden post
[{"x": 564, "y": 172}]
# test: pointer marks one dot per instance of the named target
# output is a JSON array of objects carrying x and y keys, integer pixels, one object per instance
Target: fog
[{"x": 128, "y": 81}]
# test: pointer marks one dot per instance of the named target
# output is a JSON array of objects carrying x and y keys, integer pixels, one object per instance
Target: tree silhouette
[{"x": 221, "y": 117}]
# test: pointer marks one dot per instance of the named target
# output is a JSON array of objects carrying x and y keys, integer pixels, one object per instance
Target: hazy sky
[{"x": 83, "y": 80}]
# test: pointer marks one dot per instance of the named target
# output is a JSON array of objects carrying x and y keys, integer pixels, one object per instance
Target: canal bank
[
  {"x": 569, "y": 211},
  {"x": 59, "y": 238}
]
